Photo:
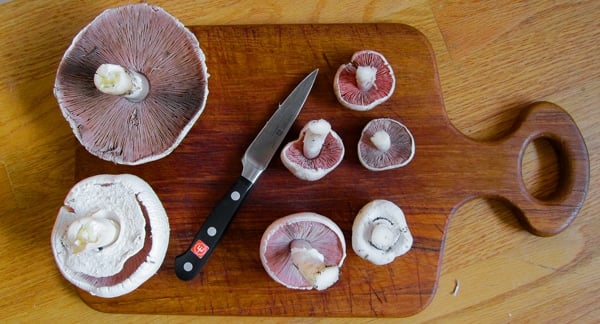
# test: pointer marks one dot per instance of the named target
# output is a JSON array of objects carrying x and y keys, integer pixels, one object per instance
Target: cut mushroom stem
[
  {"x": 365, "y": 77},
  {"x": 381, "y": 140},
  {"x": 310, "y": 263},
  {"x": 95, "y": 231},
  {"x": 315, "y": 135},
  {"x": 383, "y": 235},
  {"x": 114, "y": 79}
]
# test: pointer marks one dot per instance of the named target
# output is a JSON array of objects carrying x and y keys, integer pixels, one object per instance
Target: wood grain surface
[{"x": 494, "y": 59}]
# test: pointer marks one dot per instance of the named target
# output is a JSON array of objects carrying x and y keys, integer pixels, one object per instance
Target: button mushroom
[
  {"x": 367, "y": 81},
  {"x": 385, "y": 144},
  {"x": 132, "y": 84},
  {"x": 111, "y": 235},
  {"x": 317, "y": 151},
  {"x": 380, "y": 233},
  {"x": 303, "y": 251}
]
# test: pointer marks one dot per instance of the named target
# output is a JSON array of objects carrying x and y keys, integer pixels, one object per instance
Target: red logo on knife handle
[{"x": 200, "y": 248}]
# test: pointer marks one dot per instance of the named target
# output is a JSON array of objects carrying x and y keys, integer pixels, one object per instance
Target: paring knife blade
[{"x": 254, "y": 162}]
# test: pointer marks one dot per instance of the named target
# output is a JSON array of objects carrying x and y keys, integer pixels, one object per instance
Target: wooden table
[{"x": 493, "y": 59}]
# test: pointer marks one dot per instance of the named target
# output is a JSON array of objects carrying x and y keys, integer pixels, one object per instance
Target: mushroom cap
[
  {"x": 322, "y": 234},
  {"x": 346, "y": 87},
  {"x": 332, "y": 153},
  {"x": 147, "y": 40},
  {"x": 400, "y": 152},
  {"x": 373, "y": 212},
  {"x": 139, "y": 249}
]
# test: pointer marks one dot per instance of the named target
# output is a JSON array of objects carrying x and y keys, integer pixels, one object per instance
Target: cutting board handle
[{"x": 549, "y": 215}]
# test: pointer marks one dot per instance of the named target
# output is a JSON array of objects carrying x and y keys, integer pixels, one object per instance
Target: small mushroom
[
  {"x": 303, "y": 251},
  {"x": 380, "y": 233},
  {"x": 385, "y": 144},
  {"x": 111, "y": 235},
  {"x": 132, "y": 84},
  {"x": 367, "y": 81},
  {"x": 317, "y": 151}
]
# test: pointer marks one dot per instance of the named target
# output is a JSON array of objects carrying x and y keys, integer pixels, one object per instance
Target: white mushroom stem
[
  {"x": 310, "y": 263},
  {"x": 116, "y": 80},
  {"x": 316, "y": 132},
  {"x": 383, "y": 236},
  {"x": 365, "y": 77},
  {"x": 95, "y": 231},
  {"x": 381, "y": 140}
]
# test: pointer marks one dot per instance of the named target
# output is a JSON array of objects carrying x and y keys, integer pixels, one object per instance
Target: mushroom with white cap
[
  {"x": 132, "y": 84},
  {"x": 317, "y": 151},
  {"x": 367, "y": 81},
  {"x": 385, "y": 144},
  {"x": 303, "y": 251},
  {"x": 111, "y": 235},
  {"x": 380, "y": 232}
]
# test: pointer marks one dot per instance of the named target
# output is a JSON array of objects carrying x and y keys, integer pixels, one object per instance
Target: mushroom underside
[
  {"x": 161, "y": 49},
  {"x": 399, "y": 152},
  {"x": 134, "y": 257}
]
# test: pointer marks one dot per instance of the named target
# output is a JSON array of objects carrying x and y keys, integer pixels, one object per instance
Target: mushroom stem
[
  {"x": 381, "y": 140},
  {"x": 383, "y": 236},
  {"x": 116, "y": 80},
  {"x": 310, "y": 263},
  {"x": 365, "y": 77},
  {"x": 316, "y": 132},
  {"x": 95, "y": 231}
]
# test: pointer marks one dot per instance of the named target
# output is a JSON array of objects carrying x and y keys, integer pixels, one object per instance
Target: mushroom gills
[{"x": 310, "y": 263}]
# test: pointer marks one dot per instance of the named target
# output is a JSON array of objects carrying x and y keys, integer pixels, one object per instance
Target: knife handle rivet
[
  {"x": 211, "y": 231},
  {"x": 188, "y": 266},
  {"x": 235, "y": 196}
]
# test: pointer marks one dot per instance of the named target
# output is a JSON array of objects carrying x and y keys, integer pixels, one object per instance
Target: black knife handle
[{"x": 189, "y": 264}]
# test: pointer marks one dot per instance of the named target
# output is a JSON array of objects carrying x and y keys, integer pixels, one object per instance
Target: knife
[{"x": 254, "y": 162}]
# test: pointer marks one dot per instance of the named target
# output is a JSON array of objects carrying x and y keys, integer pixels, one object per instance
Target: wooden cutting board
[{"x": 252, "y": 68}]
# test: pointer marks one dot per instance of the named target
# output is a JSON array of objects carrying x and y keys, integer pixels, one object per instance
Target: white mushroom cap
[
  {"x": 303, "y": 251},
  {"x": 380, "y": 232},
  {"x": 111, "y": 235},
  {"x": 164, "y": 88},
  {"x": 385, "y": 144},
  {"x": 367, "y": 81},
  {"x": 317, "y": 151}
]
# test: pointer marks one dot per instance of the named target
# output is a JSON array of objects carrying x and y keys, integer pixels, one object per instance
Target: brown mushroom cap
[
  {"x": 380, "y": 81},
  {"x": 401, "y": 145},
  {"x": 147, "y": 40},
  {"x": 319, "y": 231},
  {"x": 311, "y": 169},
  {"x": 137, "y": 252}
]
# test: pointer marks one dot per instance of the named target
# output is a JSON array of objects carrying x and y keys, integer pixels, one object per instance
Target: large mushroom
[
  {"x": 385, "y": 144},
  {"x": 132, "y": 84},
  {"x": 111, "y": 234},
  {"x": 317, "y": 151},
  {"x": 303, "y": 251},
  {"x": 380, "y": 233},
  {"x": 367, "y": 81}
]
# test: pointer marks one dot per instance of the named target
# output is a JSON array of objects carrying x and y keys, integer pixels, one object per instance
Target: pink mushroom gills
[
  {"x": 303, "y": 251},
  {"x": 367, "y": 81},
  {"x": 380, "y": 233},
  {"x": 132, "y": 84},
  {"x": 317, "y": 151},
  {"x": 111, "y": 234},
  {"x": 385, "y": 144}
]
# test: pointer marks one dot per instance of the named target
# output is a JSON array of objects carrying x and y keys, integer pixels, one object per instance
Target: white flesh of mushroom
[
  {"x": 365, "y": 77},
  {"x": 316, "y": 132},
  {"x": 114, "y": 79},
  {"x": 310, "y": 263},
  {"x": 95, "y": 231},
  {"x": 380, "y": 232},
  {"x": 381, "y": 140}
]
